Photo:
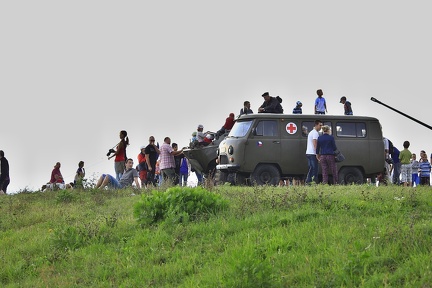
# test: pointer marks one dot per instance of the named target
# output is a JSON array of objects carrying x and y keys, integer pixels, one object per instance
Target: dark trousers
[
  {"x": 423, "y": 181},
  {"x": 328, "y": 164},
  {"x": 4, "y": 184}
]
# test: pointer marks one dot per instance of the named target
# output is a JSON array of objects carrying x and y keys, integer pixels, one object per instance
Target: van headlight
[{"x": 230, "y": 150}]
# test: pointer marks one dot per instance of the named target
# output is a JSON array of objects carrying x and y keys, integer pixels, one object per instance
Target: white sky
[{"x": 75, "y": 73}]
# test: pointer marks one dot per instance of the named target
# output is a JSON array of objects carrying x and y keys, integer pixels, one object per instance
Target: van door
[
  {"x": 294, "y": 134},
  {"x": 264, "y": 144}
]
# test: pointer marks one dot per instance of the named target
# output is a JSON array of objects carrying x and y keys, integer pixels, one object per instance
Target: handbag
[{"x": 339, "y": 157}]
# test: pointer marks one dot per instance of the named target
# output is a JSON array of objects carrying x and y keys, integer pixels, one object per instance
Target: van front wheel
[
  {"x": 266, "y": 174},
  {"x": 350, "y": 175}
]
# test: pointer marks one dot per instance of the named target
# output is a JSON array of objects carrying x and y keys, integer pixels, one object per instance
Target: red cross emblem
[{"x": 291, "y": 128}]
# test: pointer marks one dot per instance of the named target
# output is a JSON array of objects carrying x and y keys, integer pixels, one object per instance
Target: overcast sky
[{"x": 75, "y": 73}]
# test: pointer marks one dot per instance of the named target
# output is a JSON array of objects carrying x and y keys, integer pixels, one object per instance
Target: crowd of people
[
  {"x": 402, "y": 166},
  {"x": 156, "y": 165},
  {"x": 167, "y": 163},
  {"x": 273, "y": 104}
]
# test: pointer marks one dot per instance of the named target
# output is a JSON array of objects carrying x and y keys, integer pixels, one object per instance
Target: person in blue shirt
[
  {"x": 424, "y": 169},
  {"x": 396, "y": 166},
  {"x": 298, "y": 108},
  {"x": 320, "y": 103},
  {"x": 347, "y": 106}
]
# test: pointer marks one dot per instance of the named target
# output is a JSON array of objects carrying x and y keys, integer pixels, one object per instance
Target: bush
[{"x": 179, "y": 204}]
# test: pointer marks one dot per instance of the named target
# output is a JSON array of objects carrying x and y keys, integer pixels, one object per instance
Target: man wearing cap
[
  {"x": 347, "y": 106},
  {"x": 270, "y": 105},
  {"x": 200, "y": 134},
  {"x": 298, "y": 108}
]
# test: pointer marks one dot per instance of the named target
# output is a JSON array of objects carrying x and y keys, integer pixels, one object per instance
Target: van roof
[{"x": 306, "y": 117}]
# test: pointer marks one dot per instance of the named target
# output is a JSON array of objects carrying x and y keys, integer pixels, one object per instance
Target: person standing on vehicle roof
[
  {"x": 311, "y": 156},
  {"x": 246, "y": 108},
  {"x": 298, "y": 108},
  {"x": 320, "y": 103},
  {"x": 271, "y": 104},
  {"x": 347, "y": 106}
]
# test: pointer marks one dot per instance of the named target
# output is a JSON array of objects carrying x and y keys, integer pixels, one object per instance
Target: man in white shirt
[{"x": 311, "y": 153}]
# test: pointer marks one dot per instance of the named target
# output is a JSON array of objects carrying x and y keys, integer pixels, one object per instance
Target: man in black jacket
[
  {"x": 271, "y": 104},
  {"x": 4, "y": 176}
]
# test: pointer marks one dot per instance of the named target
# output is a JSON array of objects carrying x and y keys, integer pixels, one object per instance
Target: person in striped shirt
[{"x": 424, "y": 169}]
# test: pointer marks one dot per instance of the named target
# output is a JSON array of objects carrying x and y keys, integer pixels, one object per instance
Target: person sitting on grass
[
  {"x": 57, "y": 180},
  {"x": 129, "y": 176}
]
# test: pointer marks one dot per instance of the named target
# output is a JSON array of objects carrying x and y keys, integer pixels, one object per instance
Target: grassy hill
[{"x": 319, "y": 236}]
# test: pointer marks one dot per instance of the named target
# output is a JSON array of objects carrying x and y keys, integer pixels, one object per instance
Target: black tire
[
  {"x": 239, "y": 179},
  {"x": 220, "y": 177},
  {"x": 266, "y": 174},
  {"x": 350, "y": 175}
]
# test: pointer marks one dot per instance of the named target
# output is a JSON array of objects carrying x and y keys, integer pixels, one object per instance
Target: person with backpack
[{"x": 271, "y": 104}]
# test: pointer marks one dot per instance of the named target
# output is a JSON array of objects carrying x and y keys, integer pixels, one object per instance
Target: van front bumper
[{"x": 228, "y": 167}]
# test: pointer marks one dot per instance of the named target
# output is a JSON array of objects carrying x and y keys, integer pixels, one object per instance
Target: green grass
[{"x": 319, "y": 236}]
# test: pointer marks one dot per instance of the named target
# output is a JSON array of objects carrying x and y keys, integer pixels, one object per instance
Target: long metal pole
[{"x": 412, "y": 118}]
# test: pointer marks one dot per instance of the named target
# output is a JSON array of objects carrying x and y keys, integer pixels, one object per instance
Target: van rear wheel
[
  {"x": 350, "y": 175},
  {"x": 266, "y": 174}
]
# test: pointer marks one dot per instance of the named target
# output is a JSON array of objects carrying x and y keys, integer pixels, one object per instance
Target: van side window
[
  {"x": 307, "y": 126},
  {"x": 349, "y": 129},
  {"x": 266, "y": 128}
]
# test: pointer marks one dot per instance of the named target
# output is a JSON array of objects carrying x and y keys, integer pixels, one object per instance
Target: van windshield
[{"x": 240, "y": 128}]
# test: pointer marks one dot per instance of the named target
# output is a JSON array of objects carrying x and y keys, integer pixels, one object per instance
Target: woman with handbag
[{"x": 326, "y": 146}]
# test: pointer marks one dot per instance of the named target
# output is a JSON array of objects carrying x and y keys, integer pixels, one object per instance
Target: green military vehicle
[
  {"x": 263, "y": 148},
  {"x": 203, "y": 158}
]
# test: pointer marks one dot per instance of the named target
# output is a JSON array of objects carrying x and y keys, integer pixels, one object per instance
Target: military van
[{"x": 263, "y": 148}]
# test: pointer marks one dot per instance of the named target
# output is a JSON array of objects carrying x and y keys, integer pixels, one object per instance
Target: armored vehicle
[
  {"x": 262, "y": 148},
  {"x": 203, "y": 158}
]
